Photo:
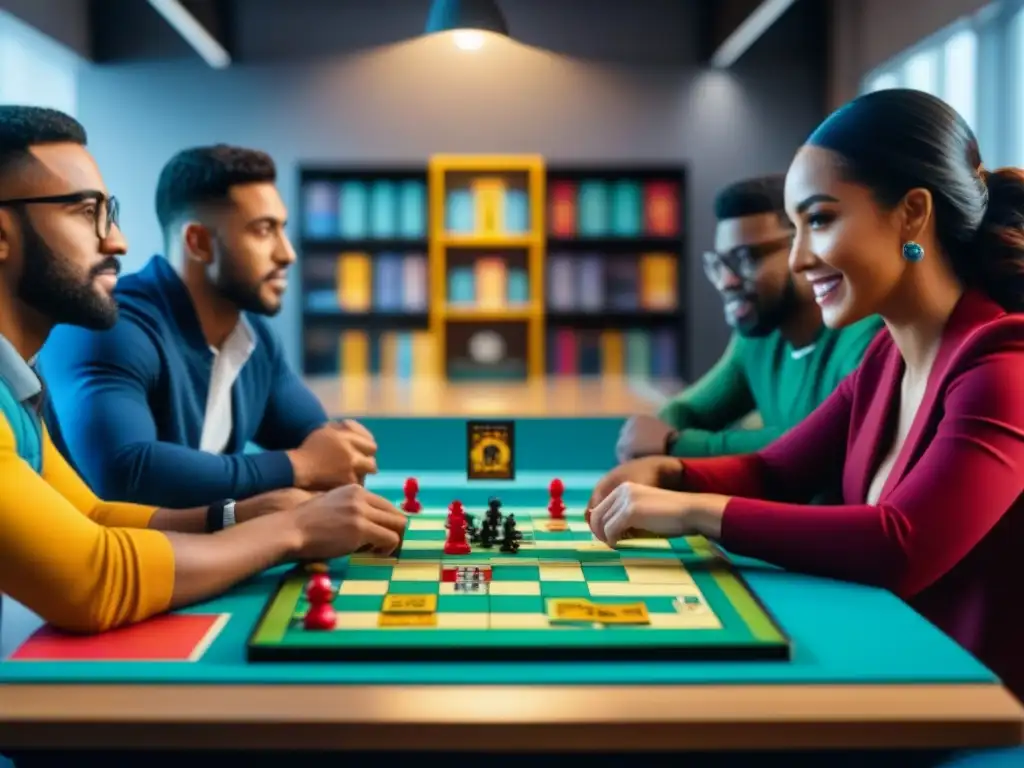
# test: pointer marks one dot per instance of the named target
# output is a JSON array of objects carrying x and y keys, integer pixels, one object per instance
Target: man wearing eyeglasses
[
  {"x": 163, "y": 406},
  {"x": 781, "y": 362},
  {"x": 82, "y": 563}
]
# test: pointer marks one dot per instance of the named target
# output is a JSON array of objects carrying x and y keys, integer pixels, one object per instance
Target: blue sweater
[{"x": 126, "y": 406}]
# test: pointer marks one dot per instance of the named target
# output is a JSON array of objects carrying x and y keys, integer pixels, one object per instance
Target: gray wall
[
  {"x": 404, "y": 101},
  {"x": 866, "y": 33}
]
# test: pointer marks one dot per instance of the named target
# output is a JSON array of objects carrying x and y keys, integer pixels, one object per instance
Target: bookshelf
[
  {"x": 363, "y": 250},
  {"x": 615, "y": 271},
  {"x": 486, "y": 246}
]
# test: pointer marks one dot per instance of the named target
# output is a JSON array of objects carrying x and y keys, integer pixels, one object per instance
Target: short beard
[
  {"x": 51, "y": 286},
  {"x": 772, "y": 316},
  {"x": 236, "y": 290}
]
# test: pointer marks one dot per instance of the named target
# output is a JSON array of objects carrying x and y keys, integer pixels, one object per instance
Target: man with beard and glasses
[
  {"x": 781, "y": 362},
  {"x": 79, "y": 562},
  {"x": 161, "y": 407}
]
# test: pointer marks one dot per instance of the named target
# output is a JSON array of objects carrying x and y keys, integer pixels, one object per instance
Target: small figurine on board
[
  {"x": 455, "y": 542},
  {"x": 411, "y": 503}
]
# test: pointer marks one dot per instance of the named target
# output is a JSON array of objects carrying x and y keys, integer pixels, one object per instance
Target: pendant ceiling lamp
[{"x": 468, "y": 19}]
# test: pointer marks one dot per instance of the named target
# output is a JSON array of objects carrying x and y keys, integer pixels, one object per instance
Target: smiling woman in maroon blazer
[{"x": 894, "y": 216}]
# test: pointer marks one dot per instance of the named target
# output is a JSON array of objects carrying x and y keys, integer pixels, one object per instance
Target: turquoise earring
[{"x": 912, "y": 251}]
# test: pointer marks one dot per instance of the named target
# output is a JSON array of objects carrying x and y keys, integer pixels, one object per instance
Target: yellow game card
[
  {"x": 407, "y": 620},
  {"x": 409, "y": 604},
  {"x": 571, "y": 609},
  {"x": 629, "y": 613}
]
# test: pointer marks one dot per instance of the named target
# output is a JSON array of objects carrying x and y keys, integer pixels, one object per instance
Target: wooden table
[{"x": 508, "y": 718}]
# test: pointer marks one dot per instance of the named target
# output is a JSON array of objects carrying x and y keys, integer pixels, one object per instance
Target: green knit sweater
[{"x": 766, "y": 375}]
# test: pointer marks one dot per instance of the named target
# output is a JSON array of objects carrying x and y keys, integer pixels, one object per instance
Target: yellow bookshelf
[{"x": 487, "y": 236}]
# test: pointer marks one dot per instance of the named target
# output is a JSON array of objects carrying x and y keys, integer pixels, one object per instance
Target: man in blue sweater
[{"x": 160, "y": 408}]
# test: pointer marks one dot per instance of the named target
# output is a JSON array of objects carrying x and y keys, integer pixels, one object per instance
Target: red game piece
[
  {"x": 411, "y": 504},
  {"x": 556, "y": 507},
  {"x": 455, "y": 542},
  {"x": 320, "y": 616},
  {"x": 320, "y": 589}
]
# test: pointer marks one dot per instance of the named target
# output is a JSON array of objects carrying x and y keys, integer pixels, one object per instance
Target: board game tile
[
  {"x": 414, "y": 545},
  {"x": 356, "y": 620},
  {"x": 564, "y": 589},
  {"x": 463, "y": 620},
  {"x": 367, "y": 572},
  {"x": 359, "y": 587},
  {"x": 645, "y": 544},
  {"x": 366, "y": 559},
  {"x": 684, "y": 621},
  {"x": 566, "y": 571},
  {"x": 463, "y": 603},
  {"x": 632, "y": 590},
  {"x": 514, "y": 588},
  {"x": 414, "y": 587},
  {"x": 525, "y": 620},
  {"x": 463, "y": 588},
  {"x": 370, "y": 603},
  {"x": 425, "y": 524},
  {"x": 659, "y": 573},
  {"x": 516, "y": 604},
  {"x": 416, "y": 572},
  {"x": 515, "y": 573},
  {"x": 607, "y": 571}
]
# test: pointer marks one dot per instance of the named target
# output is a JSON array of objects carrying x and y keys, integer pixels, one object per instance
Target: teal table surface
[{"x": 841, "y": 633}]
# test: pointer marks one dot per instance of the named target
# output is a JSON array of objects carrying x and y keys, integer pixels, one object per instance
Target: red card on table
[{"x": 172, "y": 637}]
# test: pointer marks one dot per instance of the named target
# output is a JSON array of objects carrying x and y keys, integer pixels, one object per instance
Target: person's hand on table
[
  {"x": 335, "y": 455},
  {"x": 657, "y": 471},
  {"x": 644, "y": 435},
  {"x": 633, "y": 510},
  {"x": 346, "y": 520},
  {"x": 281, "y": 500}
]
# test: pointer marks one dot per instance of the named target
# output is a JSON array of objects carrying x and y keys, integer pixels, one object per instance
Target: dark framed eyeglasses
[
  {"x": 743, "y": 260},
  {"x": 107, "y": 208}
]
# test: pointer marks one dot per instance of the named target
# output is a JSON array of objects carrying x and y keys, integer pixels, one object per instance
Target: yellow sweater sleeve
[
  {"x": 58, "y": 473},
  {"x": 58, "y": 556}
]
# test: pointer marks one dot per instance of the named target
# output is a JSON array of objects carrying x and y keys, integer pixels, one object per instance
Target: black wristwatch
[{"x": 220, "y": 515}]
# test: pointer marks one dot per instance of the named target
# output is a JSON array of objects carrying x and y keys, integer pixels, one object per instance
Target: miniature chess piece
[
  {"x": 411, "y": 503},
  {"x": 455, "y": 542},
  {"x": 472, "y": 531},
  {"x": 510, "y": 541},
  {"x": 556, "y": 507},
  {"x": 320, "y": 615},
  {"x": 488, "y": 534}
]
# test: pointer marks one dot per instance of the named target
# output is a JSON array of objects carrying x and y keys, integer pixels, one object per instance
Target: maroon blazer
[{"x": 947, "y": 534}]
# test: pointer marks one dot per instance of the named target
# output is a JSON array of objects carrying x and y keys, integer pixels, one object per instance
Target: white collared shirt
[{"x": 228, "y": 362}]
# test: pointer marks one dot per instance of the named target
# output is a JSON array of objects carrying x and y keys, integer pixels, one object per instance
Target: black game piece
[
  {"x": 494, "y": 515},
  {"x": 488, "y": 533},
  {"x": 510, "y": 542},
  {"x": 472, "y": 532}
]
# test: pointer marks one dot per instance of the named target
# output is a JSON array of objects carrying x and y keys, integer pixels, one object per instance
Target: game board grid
[{"x": 517, "y": 595}]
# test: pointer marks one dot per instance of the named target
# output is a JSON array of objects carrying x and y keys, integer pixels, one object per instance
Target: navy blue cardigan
[{"x": 126, "y": 406}]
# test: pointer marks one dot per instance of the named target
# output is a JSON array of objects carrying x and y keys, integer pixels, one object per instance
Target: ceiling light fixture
[
  {"x": 195, "y": 34},
  {"x": 468, "y": 20}
]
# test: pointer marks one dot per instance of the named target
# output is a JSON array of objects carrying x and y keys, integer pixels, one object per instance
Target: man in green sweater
[{"x": 782, "y": 361}]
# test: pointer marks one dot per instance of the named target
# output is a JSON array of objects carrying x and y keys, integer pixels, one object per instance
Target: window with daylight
[
  {"x": 34, "y": 69},
  {"x": 976, "y": 66}
]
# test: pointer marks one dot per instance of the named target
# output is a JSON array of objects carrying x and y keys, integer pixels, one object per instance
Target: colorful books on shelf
[
  {"x": 488, "y": 206},
  {"x": 598, "y": 282},
  {"x": 356, "y": 282},
  {"x": 388, "y": 354},
  {"x": 643, "y": 354},
  {"x": 621, "y": 208},
  {"x": 488, "y": 284},
  {"x": 365, "y": 209}
]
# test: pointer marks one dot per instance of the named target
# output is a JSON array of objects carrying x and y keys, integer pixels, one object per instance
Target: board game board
[{"x": 564, "y": 595}]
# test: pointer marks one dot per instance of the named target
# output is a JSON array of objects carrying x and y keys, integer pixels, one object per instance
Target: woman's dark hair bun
[{"x": 999, "y": 241}]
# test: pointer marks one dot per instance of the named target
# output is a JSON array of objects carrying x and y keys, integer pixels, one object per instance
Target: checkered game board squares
[{"x": 516, "y": 594}]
